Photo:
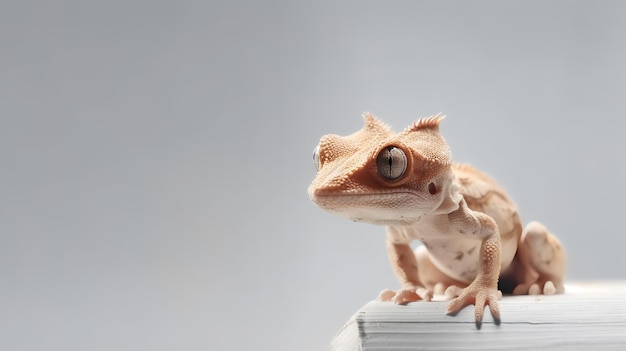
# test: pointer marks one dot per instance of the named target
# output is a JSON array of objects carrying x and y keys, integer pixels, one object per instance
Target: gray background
[{"x": 155, "y": 155}]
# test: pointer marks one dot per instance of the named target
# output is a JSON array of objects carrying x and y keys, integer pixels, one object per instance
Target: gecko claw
[{"x": 479, "y": 297}]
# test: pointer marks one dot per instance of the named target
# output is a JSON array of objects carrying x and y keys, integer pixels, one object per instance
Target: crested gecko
[{"x": 474, "y": 246}]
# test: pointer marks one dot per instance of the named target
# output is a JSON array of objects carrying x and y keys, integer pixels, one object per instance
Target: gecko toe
[{"x": 549, "y": 288}]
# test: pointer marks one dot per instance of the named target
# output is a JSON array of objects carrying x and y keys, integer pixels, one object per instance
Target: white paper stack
[{"x": 588, "y": 316}]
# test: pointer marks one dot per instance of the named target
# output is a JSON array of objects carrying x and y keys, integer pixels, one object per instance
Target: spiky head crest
[
  {"x": 373, "y": 124},
  {"x": 431, "y": 122}
]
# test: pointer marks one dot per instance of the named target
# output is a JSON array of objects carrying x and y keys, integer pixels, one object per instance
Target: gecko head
[{"x": 382, "y": 177}]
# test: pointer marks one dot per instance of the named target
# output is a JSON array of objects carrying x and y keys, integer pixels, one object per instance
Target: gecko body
[{"x": 474, "y": 245}]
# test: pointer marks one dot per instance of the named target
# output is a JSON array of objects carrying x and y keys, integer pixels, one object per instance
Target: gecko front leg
[
  {"x": 484, "y": 288},
  {"x": 404, "y": 265}
]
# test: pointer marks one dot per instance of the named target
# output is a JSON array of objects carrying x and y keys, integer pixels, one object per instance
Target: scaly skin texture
[{"x": 473, "y": 242}]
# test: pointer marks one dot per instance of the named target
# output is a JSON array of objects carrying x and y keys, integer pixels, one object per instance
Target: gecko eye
[
  {"x": 316, "y": 157},
  {"x": 391, "y": 162}
]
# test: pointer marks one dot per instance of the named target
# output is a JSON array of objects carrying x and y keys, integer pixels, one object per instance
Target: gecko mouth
[
  {"x": 362, "y": 198},
  {"x": 400, "y": 207}
]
